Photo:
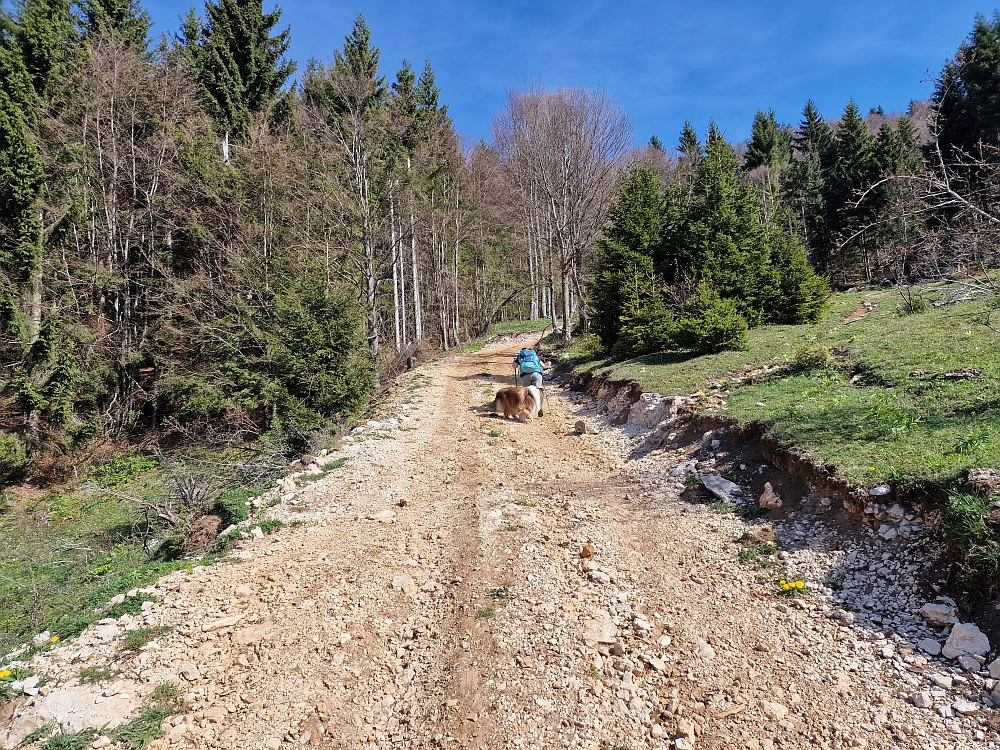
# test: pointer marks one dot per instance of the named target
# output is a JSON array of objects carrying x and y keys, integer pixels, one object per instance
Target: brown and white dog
[{"x": 520, "y": 401}]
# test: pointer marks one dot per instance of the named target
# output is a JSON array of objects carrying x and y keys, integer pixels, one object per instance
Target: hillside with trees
[{"x": 197, "y": 247}]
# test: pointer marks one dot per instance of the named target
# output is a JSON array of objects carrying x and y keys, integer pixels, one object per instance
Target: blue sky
[{"x": 664, "y": 62}]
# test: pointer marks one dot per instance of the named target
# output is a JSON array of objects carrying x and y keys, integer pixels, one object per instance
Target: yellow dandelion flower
[
  {"x": 871, "y": 468},
  {"x": 799, "y": 584},
  {"x": 5, "y": 673},
  {"x": 53, "y": 639}
]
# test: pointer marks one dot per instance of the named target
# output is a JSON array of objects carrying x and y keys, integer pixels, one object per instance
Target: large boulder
[
  {"x": 966, "y": 640},
  {"x": 721, "y": 487},
  {"x": 939, "y": 614},
  {"x": 73, "y": 710}
]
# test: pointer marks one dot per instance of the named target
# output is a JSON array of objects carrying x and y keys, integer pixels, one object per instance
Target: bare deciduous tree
[{"x": 564, "y": 150}]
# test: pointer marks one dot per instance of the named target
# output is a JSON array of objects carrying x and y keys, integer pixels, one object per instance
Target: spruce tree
[
  {"x": 44, "y": 35},
  {"x": 38, "y": 47},
  {"x": 403, "y": 107},
  {"x": 240, "y": 64},
  {"x": 803, "y": 192},
  {"x": 125, "y": 18},
  {"x": 770, "y": 144},
  {"x": 689, "y": 145},
  {"x": 805, "y": 182},
  {"x": 187, "y": 40},
  {"x": 854, "y": 170},
  {"x": 747, "y": 254},
  {"x": 404, "y": 90},
  {"x": 430, "y": 114},
  {"x": 625, "y": 253},
  {"x": 967, "y": 95},
  {"x": 713, "y": 134},
  {"x": 353, "y": 84},
  {"x": 21, "y": 172},
  {"x": 428, "y": 93},
  {"x": 726, "y": 229},
  {"x": 814, "y": 136},
  {"x": 895, "y": 153}
]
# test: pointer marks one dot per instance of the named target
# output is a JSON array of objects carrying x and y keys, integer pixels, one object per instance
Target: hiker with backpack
[{"x": 528, "y": 368}]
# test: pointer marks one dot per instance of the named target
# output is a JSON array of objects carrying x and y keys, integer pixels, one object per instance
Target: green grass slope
[{"x": 887, "y": 405}]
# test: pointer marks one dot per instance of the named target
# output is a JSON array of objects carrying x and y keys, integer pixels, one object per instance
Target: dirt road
[{"x": 435, "y": 597}]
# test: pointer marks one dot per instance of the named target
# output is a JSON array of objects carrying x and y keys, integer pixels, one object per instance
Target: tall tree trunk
[
  {"x": 418, "y": 327},
  {"x": 567, "y": 302},
  {"x": 456, "y": 310},
  {"x": 532, "y": 281},
  {"x": 552, "y": 282},
  {"x": 395, "y": 276},
  {"x": 402, "y": 289}
]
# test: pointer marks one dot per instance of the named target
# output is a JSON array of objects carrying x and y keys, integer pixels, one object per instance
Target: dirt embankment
[{"x": 618, "y": 397}]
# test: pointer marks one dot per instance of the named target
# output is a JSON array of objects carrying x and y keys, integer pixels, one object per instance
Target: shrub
[
  {"x": 13, "y": 458},
  {"x": 711, "y": 324},
  {"x": 966, "y": 524},
  {"x": 650, "y": 329},
  {"x": 810, "y": 357},
  {"x": 234, "y": 504},
  {"x": 913, "y": 302}
]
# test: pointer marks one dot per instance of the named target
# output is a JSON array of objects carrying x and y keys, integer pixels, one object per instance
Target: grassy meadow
[{"x": 906, "y": 398}]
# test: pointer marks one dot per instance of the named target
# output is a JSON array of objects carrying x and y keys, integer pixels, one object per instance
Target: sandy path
[{"x": 435, "y": 597}]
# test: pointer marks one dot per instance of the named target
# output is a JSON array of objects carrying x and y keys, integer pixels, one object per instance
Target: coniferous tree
[
  {"x": 44, "y": 34},
  {"x": 187, "y": 40},
  {"x": 725, "y": 230},
  {"x": 240, "y": 64},
  {"x": 126, "y": 18},
  {"x": 805, "y": 181},
  {"x": 352, "y": 96},
  {"x": 770, "y": 144},
  {"x": 430, "y": 114},
  {"x": 967, "y": 94},
  {"x": 403, "y": 103},
  {"x": 713, "y": 134},
  {"x": 358, "y": 62},
  {"x": 689, "y": 145},
  {"x": 854, "y": 170},
  {"x": 428, "y": 93},
  {"x": 39, "y": 47},
  {"x": 21, "y": 175},
  {"x": 625, "y": 254},
  {"x": 815, "y": 136},
  {"x": 746, "y": 252}
]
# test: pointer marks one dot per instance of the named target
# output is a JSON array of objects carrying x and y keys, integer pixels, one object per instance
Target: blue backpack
[{"x": 528, "y": 361}]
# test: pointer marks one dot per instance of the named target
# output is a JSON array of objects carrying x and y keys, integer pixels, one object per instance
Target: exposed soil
[{"x": 435, "y": 597}]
